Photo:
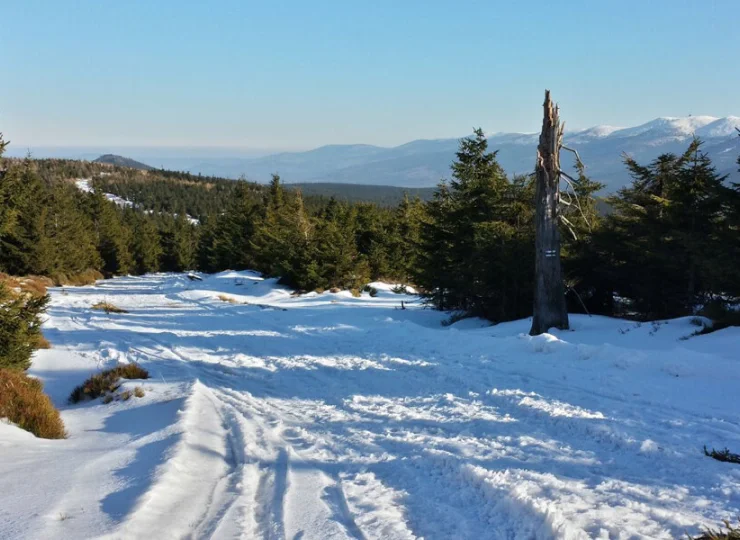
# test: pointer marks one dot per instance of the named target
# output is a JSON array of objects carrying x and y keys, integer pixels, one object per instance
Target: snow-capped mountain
[{"x": 424, "y": 163}]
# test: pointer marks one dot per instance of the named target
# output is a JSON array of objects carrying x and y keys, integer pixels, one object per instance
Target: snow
[
  {"x": 724, "y": 127},
  {"x": 668, "y": 126},
  {"x": 328, "y": 416}
]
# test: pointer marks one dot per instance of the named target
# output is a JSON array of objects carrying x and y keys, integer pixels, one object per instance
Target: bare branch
[
  {"x": 579, "y": 163},
  {"x": 570, "y": 226},
  {"x": 569, "y": 180}
]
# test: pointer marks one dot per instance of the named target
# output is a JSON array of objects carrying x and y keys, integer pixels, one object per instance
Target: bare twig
[{"x": 569, "y": 180}]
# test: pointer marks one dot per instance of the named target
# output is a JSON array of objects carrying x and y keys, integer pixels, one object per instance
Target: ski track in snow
[{"x": 328, "y": 416}]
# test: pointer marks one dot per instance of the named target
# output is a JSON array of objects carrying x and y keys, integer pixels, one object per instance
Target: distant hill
[
  {"x": 423, "y": 163},
  {"x": 120, "y": 161}
]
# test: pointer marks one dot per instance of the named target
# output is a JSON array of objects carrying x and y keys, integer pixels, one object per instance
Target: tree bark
[{"x": 549, "y": 295}]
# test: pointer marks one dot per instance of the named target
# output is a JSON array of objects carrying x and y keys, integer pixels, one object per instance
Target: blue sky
[{"x": 299, "y": 74}]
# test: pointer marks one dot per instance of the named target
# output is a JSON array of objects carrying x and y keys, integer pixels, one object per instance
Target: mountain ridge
[{"x": 424, "y": 162}]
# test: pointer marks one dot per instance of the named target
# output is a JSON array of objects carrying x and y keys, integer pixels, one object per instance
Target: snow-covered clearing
[{"x": 328, "y": 416}]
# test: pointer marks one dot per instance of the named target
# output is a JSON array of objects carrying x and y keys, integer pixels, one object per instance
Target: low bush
[
  {"x": 721, "y": 314},
  {"x": 456, "y": 317},
  {"x": 722, "y": 455},
  {"x": 372, "y": 291},
  {"x": 400, "y": 289},
  {"x": 23, "y": 402},
  {"x": 106, "y": 382},
  {"x": 728, "y": 532},
  {"x": 88, "y": 277},
  {"x": 42, "y": 342},
  {"x": 139, "y": 392},
  {"x": 108, "y": 308},
  {"x": 33, "y": 285}
]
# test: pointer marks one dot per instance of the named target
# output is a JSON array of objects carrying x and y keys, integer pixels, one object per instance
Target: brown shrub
[
  {"x": 126, "y": 395},
  {"x": 35, "y": 285},
  {"x": 23, "y": 402},
  {"x": 88, "y": 277},
  {"x": 139, "y": 391},
  {"x": 731, "y": 533},
  {"x": 107, "y": 381},
  {"x": 42, "y": 342},
  {"x": 108, "y": 307}
]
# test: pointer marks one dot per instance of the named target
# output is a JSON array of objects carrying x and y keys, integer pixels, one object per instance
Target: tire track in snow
[
  {"x": 270, "y": 497},
  {"x": 334, "y": 496}
]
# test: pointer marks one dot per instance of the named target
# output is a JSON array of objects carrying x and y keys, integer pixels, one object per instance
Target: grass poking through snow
[
  {"x": 722, "y": 455},
  {"x": 108, "y": 307},
  {"x": 107, "y": 382},
  {"x": 728, "y": 532}
]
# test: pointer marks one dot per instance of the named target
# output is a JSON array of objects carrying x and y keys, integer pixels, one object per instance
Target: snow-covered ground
[{"x": 327, "y": 416}]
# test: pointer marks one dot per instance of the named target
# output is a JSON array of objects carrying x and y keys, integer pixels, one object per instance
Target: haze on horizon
[{"x": 257, "y": 76}]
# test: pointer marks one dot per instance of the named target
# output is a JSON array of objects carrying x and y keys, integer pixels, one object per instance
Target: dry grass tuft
[
  {"x": 88, "y": 277},
  {"x": 722, "y": 455},
  {"x": 108, "y": 308},
  {"x": 35, "y": 285},
  {"x": 106, "y": 382},
  {"x": 42, "y": 342},
  {"x": 139, "y": 392},
  {"x": 731, "y": 533},
  {"x": 126, "y": 395},
  {"x": 23, "y": 402}
]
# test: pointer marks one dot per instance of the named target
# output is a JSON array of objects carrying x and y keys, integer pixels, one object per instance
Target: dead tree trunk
[{"x": 549, "y": 295}]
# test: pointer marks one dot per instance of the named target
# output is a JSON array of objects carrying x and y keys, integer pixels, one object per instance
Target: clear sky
[{"x": 299, "y": 74}]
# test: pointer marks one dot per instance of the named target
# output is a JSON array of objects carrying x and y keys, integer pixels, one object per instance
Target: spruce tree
[
  {"x": 660, "y": 246},
  {"x": 111, "y": 237},
  {"x": 146, "y": 245},
  {"x": 473, "y": 236}
]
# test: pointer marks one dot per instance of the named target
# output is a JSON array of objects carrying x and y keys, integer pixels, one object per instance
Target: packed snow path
[{"x": 327, "y": 416}]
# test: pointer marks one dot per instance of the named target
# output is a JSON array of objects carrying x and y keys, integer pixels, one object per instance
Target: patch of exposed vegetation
[
  {"x": 107, "y": 382},
  {"x": 728, "y": 532},
  {"x": 372, "y": 291},
  {"x": 722, "y": 455},
  {"x": 86, "y": 277},
  {"x": 23, "y": 402},
  {"x": 108, "y": 308}
]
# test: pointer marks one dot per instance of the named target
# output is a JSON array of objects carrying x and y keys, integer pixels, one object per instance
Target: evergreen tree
[
  {"x": 178, "y": 239},
  {"x": 660, "y": 246},
  {"x": 146, "y": 247},
  {"x": 111, "y": 237},
  {"x": 20, "y": 327},
  {"x": 584, "y": 283},
  {"x": 226, "y": 238},
  {"x": 474, "y": 235},
  {"x": 404, "y": 238}
]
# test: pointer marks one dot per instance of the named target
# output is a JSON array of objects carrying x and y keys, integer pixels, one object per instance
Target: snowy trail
[{"x": 328, "y": 416}]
